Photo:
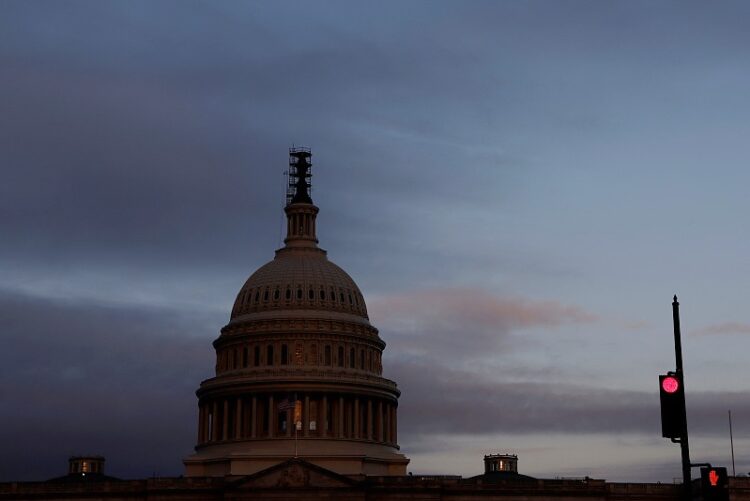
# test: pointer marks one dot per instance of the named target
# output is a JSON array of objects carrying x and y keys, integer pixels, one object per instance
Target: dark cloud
[
  {"x": 83, "y": 378},
  {"x": 437, "y": 400}
]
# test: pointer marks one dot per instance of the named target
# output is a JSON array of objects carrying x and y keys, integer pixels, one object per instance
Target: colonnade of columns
[{"x": 264, "y": 416}]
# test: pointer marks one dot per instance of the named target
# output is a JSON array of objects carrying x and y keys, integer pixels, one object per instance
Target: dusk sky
[{"x": 517, "y": 187}]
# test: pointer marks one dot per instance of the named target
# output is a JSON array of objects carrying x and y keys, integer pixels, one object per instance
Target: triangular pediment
[{"x": 294, "y": 473}]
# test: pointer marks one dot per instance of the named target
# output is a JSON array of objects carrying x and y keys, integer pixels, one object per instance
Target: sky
[{"x": 517, "y": 187}]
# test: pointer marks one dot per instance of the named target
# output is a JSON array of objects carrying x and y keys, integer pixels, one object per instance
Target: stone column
[
  {"x": 370, "y": 426},
  {"x": 395, "y": 425},
  {"x": 289, "y": 422},
  {"x": 238, "y": 419},
  {"x": 254, "y": 418},
  {"x": 225, "y": 428},
  {"x": 324, "y": 417},
  {"x": 215, "y": 422},
  {"x": 341, "y": 418},
  {"x": 306, "y": 417},
  {"x": 356, "y": 418},
  {"x": 380, "y": 421},
  {"x": 270, "y": 416}
]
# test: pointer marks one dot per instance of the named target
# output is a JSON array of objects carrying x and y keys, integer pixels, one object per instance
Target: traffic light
[
  {"x": 714, "y": 484},
  {"x": 672, "y": 395}
]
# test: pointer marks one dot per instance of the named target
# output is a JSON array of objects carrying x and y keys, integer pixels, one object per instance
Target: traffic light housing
[
  {"x": 672, "y": 395},
  {"x": 714, "y": 484}
]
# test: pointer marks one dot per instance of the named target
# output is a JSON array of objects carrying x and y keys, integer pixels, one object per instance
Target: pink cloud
[
  {"x": 478, "y": 307},
  {"x": 723, "y": 328}
]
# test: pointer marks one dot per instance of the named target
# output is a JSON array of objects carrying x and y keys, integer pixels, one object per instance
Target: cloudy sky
[{"x": 518, "y": 188}]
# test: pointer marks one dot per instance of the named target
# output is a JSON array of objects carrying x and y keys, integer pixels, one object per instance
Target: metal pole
[
  {"x": 731, "y": 442},
  {"x": 684, "y": 447}
]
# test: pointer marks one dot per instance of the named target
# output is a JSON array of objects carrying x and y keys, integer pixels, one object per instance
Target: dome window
[
  {"x": 288, "y": 293},
  {"x": 333, "y": 295},
  {"x": 350, "y": 299},
  {"x": 269, "y": 354},
  {"x": 356, "y": 299},
  {"x": 341, "y": 356},
  {"x": 276, "y": 295},
  {"x": 299, "y": 293},
  {"x": 351, "y": 358},
  {"x": 311, "y": 294},
  {"x": 322, "y": 295},
  {"x": 265, "y": 295},
  {"x": 341, "y": 297},
  {"x": 257, "y": 295}
]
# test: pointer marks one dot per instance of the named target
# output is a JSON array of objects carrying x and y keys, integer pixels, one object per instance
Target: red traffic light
[{"x": 670, "y": 384}]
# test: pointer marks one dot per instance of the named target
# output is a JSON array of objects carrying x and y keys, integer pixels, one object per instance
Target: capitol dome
[
  {"x": 299, "y": 280},
  {"x": 299, "y": 366}
]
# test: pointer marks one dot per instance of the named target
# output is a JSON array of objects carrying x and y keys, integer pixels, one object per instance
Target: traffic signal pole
[{"x": 683, "y": 440}]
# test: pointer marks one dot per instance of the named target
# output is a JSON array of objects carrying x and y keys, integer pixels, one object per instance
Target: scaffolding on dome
[{"x": 299, "y": 188}]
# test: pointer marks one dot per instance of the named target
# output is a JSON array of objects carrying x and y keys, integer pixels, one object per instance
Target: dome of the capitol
[
  {"x": 299, "y": 280},
  {"x": 298, "y": 366}
]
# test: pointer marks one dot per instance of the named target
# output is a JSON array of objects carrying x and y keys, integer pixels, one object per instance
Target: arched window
[
  {"x": 244, "y": 356},
  {"x": 276, "y": 295},
  {"x": 265, "y": 295},
  {"x": 352, "y": 358},
  {"x": 311, "y": 294},
  {"x": 299, "y": 293},
  {"x": 341, "y": 356},
  {"x": 256, "y": 356},
  {"x": 327, "y": 355},
  {"x": 288, "y": 293},
  {"x": 322, "y": 295},
  {"x": 269, "y": 354},
  {"x": 362, "y": 359}
]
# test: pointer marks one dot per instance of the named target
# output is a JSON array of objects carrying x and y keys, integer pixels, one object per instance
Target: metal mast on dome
[{"x": 299, "y": 187}]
